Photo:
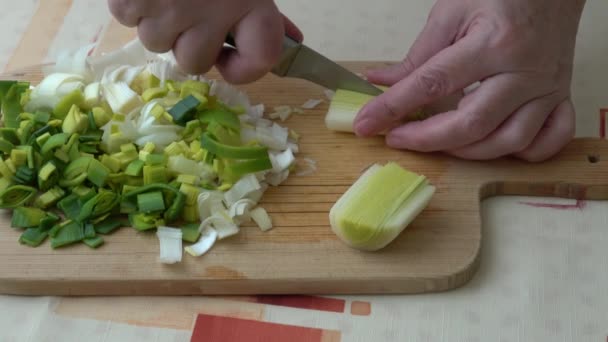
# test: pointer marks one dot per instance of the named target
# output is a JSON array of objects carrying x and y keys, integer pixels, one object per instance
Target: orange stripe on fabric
[
  {"x": 40, "y": 33},
  {"x": 211, "y": 328},
  {"x": 115, "y": 36}
]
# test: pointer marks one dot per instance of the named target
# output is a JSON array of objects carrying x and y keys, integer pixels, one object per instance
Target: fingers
[
  {"x": 438, "y": 33},
  {"x": 259, "y": 41},
  {"x": 158, "y": 34},
  {"x": 129, "y": 12},
  {"x": 479, "y": 113},
  {"x": 197, "y": 49},
  {"x": 558, "y": 131},
  {"x": 292, "y": 31},
  {"x": 449, "y": 71},
  {"x": 514, "y": 135}
]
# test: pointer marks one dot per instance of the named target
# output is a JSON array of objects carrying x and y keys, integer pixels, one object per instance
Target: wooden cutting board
[{"x": 301, "y": 255}]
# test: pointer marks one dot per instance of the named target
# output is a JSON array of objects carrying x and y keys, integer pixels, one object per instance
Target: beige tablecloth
[{"x": 544, "y": 273}]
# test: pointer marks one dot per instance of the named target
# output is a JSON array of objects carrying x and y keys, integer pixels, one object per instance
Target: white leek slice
[
  {"x": 123, "y": 73},
  {"x": 312, "y": 104},
  {"x": 379, "y": 206},
  {"x": 72, "y": 62},
  {"x": 241, "y": 189},
  {"x": 275, "y": 179},
  {"x": 121, "y": 98},
  {"x": 209, "y": 202},
  {"x": 222, "y": 223},
  {"x": 229, "y": 95},
  {"x": 52, "y": 89},
  {"x": 92, "y": 94},
  {"x": 132, "y": 53},
  {"x": 261, "y": 218},
  {"x": 204, "y": 244},
  {"x": 239, "y": 211},
  {"x": 170, "y": 244},
  {"x": 343, "y": 110},
  {"x": 282, "y": 161}
]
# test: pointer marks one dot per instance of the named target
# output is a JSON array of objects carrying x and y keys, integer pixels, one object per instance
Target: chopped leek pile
[
  {"x": 127, "y": 140},
  {"x": 379, "y": 206}
]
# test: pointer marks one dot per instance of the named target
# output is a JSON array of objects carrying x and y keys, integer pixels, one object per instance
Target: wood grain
[{"x": 438, "y": 252}]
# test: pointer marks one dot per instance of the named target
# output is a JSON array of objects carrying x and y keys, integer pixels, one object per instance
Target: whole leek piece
[{"x": 379, "y": 206}]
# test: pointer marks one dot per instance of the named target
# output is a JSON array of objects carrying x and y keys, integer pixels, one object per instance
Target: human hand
[
  {"x": 520, "y": 51},
  {"x": 196, "y": 30}
]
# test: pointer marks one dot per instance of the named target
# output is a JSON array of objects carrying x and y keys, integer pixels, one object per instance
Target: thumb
[{"x": 438, "y": 33}]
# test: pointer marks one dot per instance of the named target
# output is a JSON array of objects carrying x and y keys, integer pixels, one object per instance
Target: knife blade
[{"x": 299, "y": 61}]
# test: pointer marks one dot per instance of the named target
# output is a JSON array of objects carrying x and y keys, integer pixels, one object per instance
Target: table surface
[{"x": 544, "y": 263}]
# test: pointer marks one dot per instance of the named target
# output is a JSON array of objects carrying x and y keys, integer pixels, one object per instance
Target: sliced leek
[{"x": 379, "y": 206}]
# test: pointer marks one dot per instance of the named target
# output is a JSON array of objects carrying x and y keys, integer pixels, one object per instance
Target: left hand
[{"x": 520, "y": 51}]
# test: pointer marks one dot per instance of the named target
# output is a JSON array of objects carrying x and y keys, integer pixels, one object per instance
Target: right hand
[{"x": 195, "y": 30}]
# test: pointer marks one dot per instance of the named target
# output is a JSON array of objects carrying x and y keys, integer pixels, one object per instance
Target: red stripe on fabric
[
  {"x": 304, "y": 302},
  {"x": 210, "y": 328}
]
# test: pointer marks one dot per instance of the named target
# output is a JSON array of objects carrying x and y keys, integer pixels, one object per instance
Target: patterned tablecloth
[{"x": 544, "y": 273}]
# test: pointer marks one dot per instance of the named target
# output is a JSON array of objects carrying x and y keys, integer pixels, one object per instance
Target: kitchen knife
[{"x": 299, "y": 61}]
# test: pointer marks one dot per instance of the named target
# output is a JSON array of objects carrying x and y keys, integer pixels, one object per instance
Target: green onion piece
[
  {"x": 223, "y": 117},
  {"x": 6, "y": 146},
  {"x": 11, "y": 104},
  {"x": 156, "y": 159},
  {"x": 42, "y": 117},
  {"x": 19, "y": 157},
  {"x": 33, "y": 237},
  {"x": 10, "y": 135},
  {"x": 190, "y": 213},
  {"x": 89, "y": 231},
  {"x": 151, "y": 202},
  {"x": 188, "y": 179},
  {"x": 24, "y": 130},
  {"x": 16, "y": 195},
  {"x": 54, "y": 142},
  {"x": 233, "y": 171},
  {"x": 108, "y": 226},
  {"x": 67, "y": 235},
  {"x": 142, "y": 222},
  {"x": 224, "y": 135},
  {"x": 155, "y": 174},
  {"x": 88, "y": 148},
  {"x": 68, "y": 183},
  {"x": 26, "y": 217},
  {"x": 232, "y": 152},
  {"x": 184, "y": 110},
  {"x": 190, "y": 232},
  {"x": 97, "y": 173},
  {"x": 75, "y": 98},
  {"x": 135, "y": 168},
  {"x": 191, "y": 192},
  {"x": 102, "y": 115},
  {"x": 48, "y": 176},
  {"x": 24, "y": 175},
  {"x": 48, "y": 222},
  {"x": 71, "y": 206},
  {"x": 177, "y": 203},
  {"x": 49, "y": 198},
  {"x": 101, "y": 204},
  {"x": 111, "y": 163},
  {"x": 94, "y": 242},
  {"x": 75, "y": 121}
]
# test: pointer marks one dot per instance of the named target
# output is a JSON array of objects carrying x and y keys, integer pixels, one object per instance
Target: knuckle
[
  {"x": 124, "y": 11},
  {"x": 433, "y": 83},
  {"x": 388, "y": 109}
]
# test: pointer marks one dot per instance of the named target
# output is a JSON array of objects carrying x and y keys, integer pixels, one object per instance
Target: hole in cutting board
[{"x": 593, "y": 159}]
